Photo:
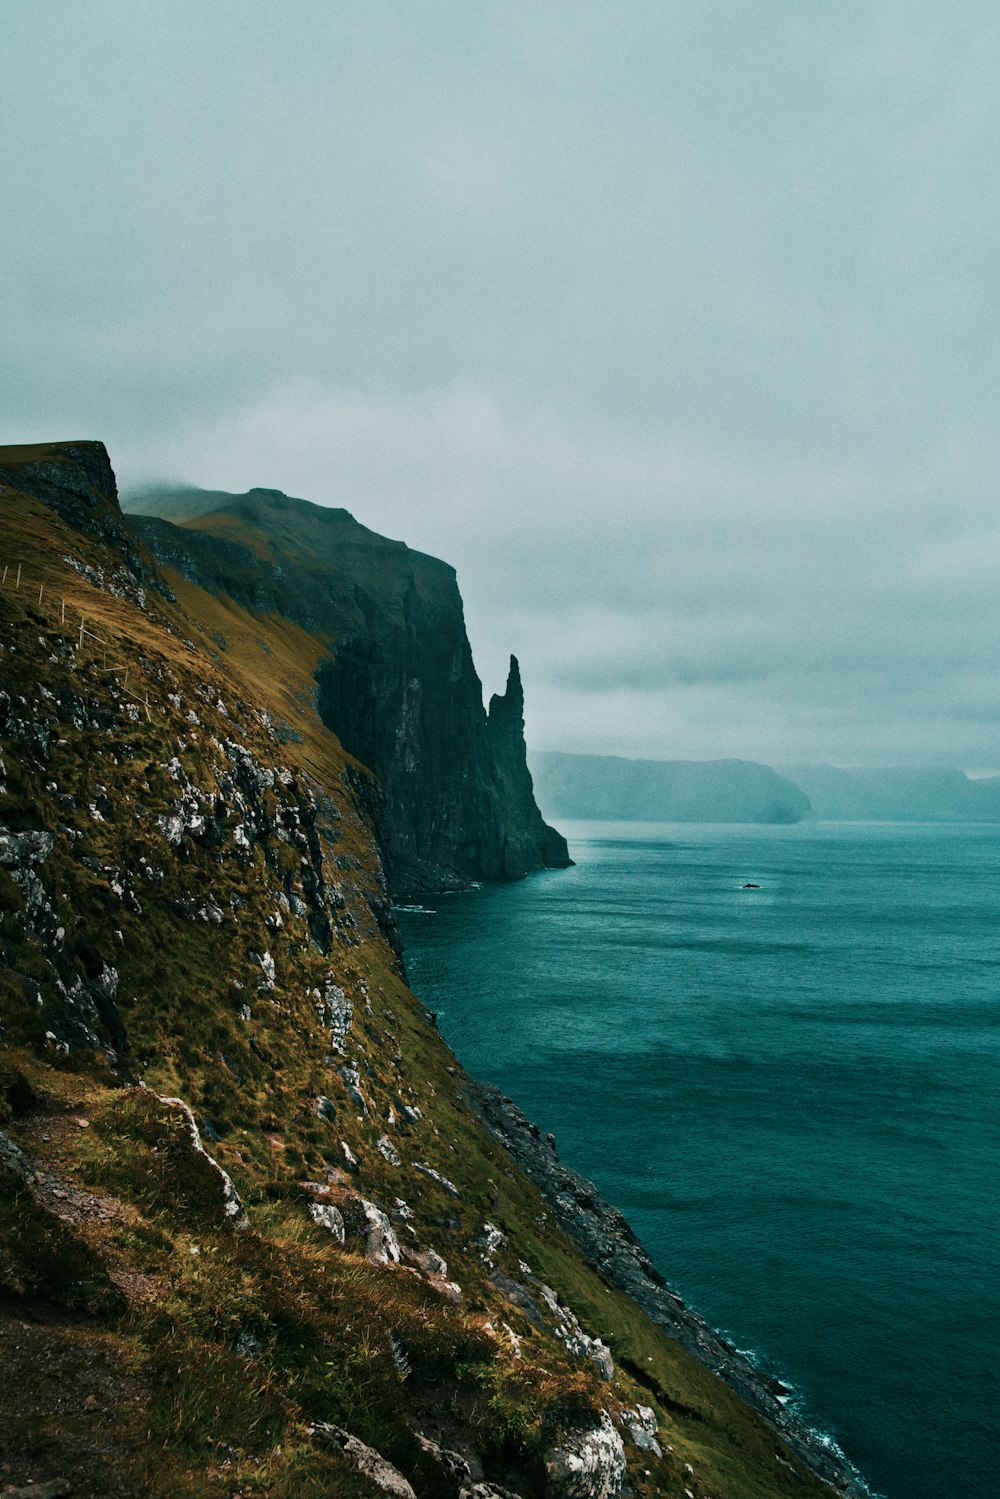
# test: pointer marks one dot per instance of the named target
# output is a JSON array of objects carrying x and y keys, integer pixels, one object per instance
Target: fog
[{"x": 673, "y": 328}]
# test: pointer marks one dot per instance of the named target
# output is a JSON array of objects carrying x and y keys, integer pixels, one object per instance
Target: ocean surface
[{"x": 792, "y": 1092}]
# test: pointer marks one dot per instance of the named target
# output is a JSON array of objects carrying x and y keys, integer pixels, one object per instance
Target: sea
[{"x": 777, "y": 1051}]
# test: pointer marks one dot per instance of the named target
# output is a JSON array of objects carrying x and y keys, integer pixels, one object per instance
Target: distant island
[
  {"x": 607, "y": 786},
  {"x": 896, "y": 795},
  {"x": 615, "y": 788}
]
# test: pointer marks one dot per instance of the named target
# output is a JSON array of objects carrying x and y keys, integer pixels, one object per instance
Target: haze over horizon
[{"x": 672, "y": 328}]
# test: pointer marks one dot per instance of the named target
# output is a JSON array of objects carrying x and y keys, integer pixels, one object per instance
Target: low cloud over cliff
[{"x": 672, "y": 329}]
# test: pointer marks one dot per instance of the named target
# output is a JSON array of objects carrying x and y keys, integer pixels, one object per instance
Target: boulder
[
  {"x": 367, "y": 1461},
  {"x": 586, "y": 1464}
]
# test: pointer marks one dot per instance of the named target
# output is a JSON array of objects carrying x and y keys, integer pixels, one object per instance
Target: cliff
[
  {"x": 396, "y": 683},
  {"x": 608, "y": 786},
  {"x": 900, "y": 795},
  {"x": 258, "y": 1234}
]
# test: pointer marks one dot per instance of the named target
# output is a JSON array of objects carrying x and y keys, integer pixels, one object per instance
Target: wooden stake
[
  {"x": 5, "y": 574},
  {"x": 18, "y": 583},
  {"x": 63, "y": 619},
  {"x": 41, "y": 590}
]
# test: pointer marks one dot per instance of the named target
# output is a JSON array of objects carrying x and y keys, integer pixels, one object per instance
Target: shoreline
[{"x": 611, "y": 1246}]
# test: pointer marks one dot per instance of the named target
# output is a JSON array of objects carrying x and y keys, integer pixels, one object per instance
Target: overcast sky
[{"x": 673, "y": 325}]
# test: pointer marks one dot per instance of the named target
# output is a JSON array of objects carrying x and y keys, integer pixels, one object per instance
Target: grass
[{"x": 240, "y": 1340}]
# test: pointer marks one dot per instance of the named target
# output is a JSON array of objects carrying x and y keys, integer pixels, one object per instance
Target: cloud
[
  {"x": 673, "y": 328},
  {"x": 664, "y": 601}
]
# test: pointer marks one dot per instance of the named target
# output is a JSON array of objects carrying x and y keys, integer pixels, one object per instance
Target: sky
[{"x": 673, "y": 326}]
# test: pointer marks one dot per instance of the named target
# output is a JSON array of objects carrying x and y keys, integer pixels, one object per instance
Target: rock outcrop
[
  {"x": 609, "y": 1243},
  {"x": 254, "y": 1234},
  {"x": 397, "y": 686}
]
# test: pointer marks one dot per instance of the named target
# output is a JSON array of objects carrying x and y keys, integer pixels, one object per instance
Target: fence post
[
  {"x": 41, "y": 590},
  {"x": 80, "y": 646},
  {"x": 5, "y": 574},
  {"x": 63, "y": 619},
  {"x": 18, "y": 583}
]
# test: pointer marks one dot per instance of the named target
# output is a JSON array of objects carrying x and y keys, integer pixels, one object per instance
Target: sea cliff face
[
  {"x": 256, "y": 1233},
  {"x": 397, "y": 684}
]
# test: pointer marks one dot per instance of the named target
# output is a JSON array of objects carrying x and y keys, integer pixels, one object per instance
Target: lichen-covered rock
[
  {"x": 573, "y": 1337},
  {"x": 485, "y": 1491},
  {"x": 351, "y": 1079},
  {"x": 232, "y": 1207},
  {"x": 335, "y": 1009},
  {"x": 442, "y": 1181},
  {"x": 425, "y": 1258},
  {"x": 325, "y": 1215},
  {"x": 20, "y": 850},
  {"x": 381, "y": 1244},
  {"x": 587, "y": 1464},
  {"x": 453, "y": 1465},
  {"x": 367, "y": 1461},
  {"x": 388, "y": 1151},
  {"x": 14, "y": 1158},
  {"x": 641, "y": 1426}
]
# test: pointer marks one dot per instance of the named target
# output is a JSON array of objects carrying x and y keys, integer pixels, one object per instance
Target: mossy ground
[{"x": 228, "y": 1343}]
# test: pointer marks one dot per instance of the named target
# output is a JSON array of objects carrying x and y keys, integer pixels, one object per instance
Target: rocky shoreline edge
[{"x": 610, "y": 1245}]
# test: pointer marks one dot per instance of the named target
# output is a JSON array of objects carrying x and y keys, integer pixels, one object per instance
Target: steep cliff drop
[
  {"x": 396, "y": 684},
  {"x": 525, "y": 831},
  {"x": 259, "y": 1231}
]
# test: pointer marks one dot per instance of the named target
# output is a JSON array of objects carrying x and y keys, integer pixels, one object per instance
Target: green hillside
[{"x": 255, "y": 1238}]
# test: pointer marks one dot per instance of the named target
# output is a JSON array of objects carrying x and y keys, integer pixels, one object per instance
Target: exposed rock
[
  {"x": 53, "y": 1488},
  {"x": 425, "y": 1259},
  {"x": 485, "y": 1491},
  {"x": 641, "y": 1426},
  {"x": 335, "y": 1009},
  {"x": 76, "y": 480},
  {"x": 587, "y": 1464},
  {"x": 573, "y": 1337},
  {"x": 449, "y": 1289},
  {"x": 453, "y": 1466},
  {"x": 231, "y": 1204},
  {"x": 21, "y": 854},
  {"x": 351, "y": 1079},
  {"x": 526, "y": 833},
  {"x": 490, "y": 1241},
  {"x": 367, "y": 1461},
  {"x": 327, "y": 1216},
  {"x": 388, "y": 1151},
  {"x": 19, "y": 851},
  {"x": 399, "y": 688},
  {"x": 382, "y": 1246},
  {"x": 611, "y": 1246},
  {"x": 14, "y": 1158},
  {"x": 442, "y": 1181}
]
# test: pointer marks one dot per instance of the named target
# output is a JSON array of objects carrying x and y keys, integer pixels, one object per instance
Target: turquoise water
[{"x": 793, "y": 1093}]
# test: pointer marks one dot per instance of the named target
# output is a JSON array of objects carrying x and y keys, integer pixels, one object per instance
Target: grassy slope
[{"x": 207, "y": 1351}]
